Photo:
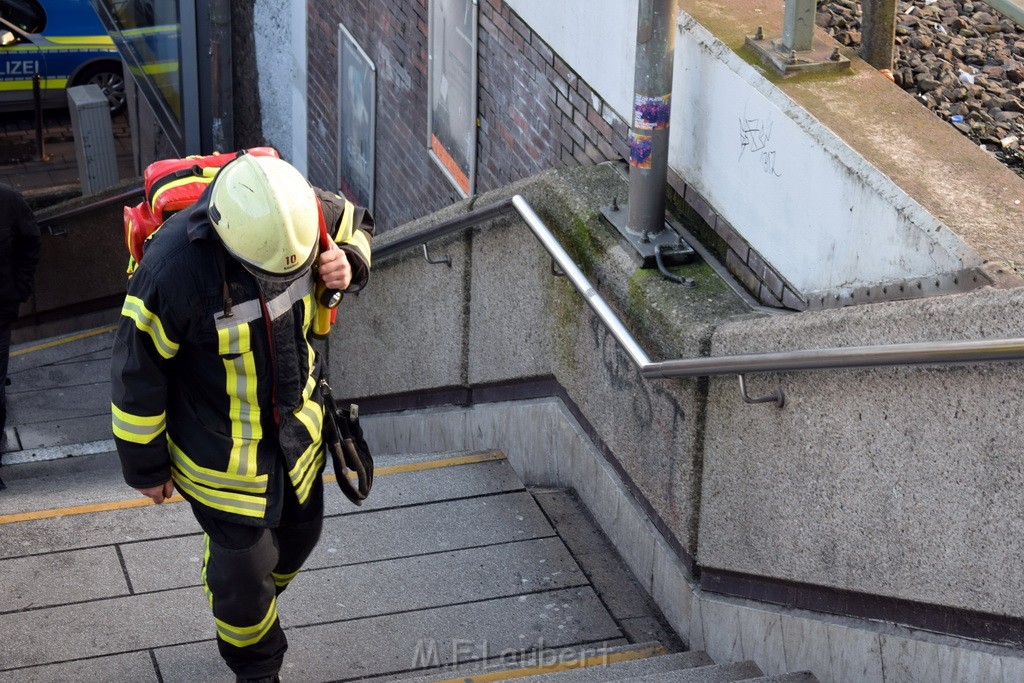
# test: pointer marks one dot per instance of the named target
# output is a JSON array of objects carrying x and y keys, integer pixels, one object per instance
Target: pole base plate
[{"x": 674, "y": 251}]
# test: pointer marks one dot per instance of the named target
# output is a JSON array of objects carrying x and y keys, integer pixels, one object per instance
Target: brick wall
[{"x": 535, "y": 113}]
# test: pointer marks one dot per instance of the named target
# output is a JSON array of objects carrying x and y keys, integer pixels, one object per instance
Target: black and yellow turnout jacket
[{"x": 220, "y": 392}]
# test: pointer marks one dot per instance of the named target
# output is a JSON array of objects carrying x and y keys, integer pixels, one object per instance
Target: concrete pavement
[{"x": 451, "y": 560}]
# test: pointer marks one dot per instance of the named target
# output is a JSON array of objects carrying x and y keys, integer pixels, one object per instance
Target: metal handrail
[
  {"x": 882, "y": 355},
  {"x": 91, "y": 206}
]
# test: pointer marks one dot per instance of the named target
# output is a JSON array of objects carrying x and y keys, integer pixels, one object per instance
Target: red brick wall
[{"x": 535, "y": 113}]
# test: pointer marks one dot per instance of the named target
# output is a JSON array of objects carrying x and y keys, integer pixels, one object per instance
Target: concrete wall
[
  {"x": 882, "y": 496},
  {"x": 279, "y": 31}
]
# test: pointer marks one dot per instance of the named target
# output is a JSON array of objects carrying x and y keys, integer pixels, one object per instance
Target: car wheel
[{"x": 110, "y": 79}]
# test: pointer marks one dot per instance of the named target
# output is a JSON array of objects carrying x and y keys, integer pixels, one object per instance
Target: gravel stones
[{"x": 960, "y": 58}]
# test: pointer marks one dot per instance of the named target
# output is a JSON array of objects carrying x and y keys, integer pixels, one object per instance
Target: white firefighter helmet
[{"x": 267, "y": 216}]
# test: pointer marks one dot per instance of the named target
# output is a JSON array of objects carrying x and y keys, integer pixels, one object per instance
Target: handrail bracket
[{"x": 777, "y": 396}]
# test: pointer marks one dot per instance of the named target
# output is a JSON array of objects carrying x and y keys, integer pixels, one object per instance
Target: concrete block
[
  {"x": 896, "y": 482},
  {"x": 918, "y": 660},
  {"x": 855, "y": 655},
  {"x": 80, "y": 531},
  {"x": 433, "y": 527},
  {"x": 805, "y": 639},
  {"x": 134, "y": 666},
  {"x": 128, "y": 625},
  {"x": 426, "y": 321},
  {"x": 73, "y": 576},
  {"x": 720, "y": 622},
  {"x": 672, "y": 591}
]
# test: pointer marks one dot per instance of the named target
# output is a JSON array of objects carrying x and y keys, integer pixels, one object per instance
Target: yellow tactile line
[
  {"x": 64, "y": 340},
  {"x": 471, "y": 459},
  {"x": 580, "y": 663}
]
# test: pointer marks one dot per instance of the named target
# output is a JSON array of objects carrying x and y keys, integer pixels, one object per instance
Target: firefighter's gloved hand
[
  {"x": 335, "y": 270},
  {"x": 159, "y": 493}
]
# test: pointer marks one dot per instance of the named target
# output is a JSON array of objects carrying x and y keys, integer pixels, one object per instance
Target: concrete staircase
[
  {"x": 452, "y": 570},
  {"x": 644, "y": 663}
]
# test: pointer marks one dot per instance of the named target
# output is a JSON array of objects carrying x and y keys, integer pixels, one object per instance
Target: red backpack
[{"x": 170, "y": 186}]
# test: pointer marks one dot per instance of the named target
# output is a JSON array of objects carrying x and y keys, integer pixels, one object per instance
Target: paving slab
[
  {"x": 72, "y": 372},
  {"x": 70, "y": 433},
  {"x": 719, "y": 673},
  {"x": 103, "y": 627},
  {"x": 45, "y": 485},
  {"x": 432, "y": 527},
  {"x": 87, "y": 400},
  {"x": 60, "y": 349},
  {"x": 397, "y": 643},
  {"x": 620, "y": 590},
  {"x": 97, "y": 529},
  {"x": 136, "y": 667},
  {"x": 74, "y": 576}
]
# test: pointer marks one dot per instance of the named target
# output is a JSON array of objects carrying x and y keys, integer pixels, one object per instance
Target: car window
[{"x": 28, "y": 15}]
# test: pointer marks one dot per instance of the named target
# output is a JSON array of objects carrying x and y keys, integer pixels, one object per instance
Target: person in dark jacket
[
  {"x": 20, "y": 246},
  {"x": 215, "y": 384}
]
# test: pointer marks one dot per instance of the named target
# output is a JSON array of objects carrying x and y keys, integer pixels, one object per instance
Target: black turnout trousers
[{"x": 245, "y": 568}]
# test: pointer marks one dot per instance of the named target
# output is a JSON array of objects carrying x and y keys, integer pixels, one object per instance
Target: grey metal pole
[
  {"x": 798, "y": 24},
  {"x": 221, "y": 100},
  {"x": 879, "y": 32},
  {"x": 648, "y": 136}
]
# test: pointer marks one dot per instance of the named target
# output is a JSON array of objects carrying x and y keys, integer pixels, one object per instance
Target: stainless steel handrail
[{"x": 882, "y": 355}]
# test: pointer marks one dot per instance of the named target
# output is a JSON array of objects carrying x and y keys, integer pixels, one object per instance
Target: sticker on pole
[
  {"x": 651, "y": 113},
  {"x": 640, "y": 150}
]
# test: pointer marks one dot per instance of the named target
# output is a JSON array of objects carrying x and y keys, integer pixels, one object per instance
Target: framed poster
[
  {"x": 357, "y": 120},
  {"x": 451, "y": 90}
]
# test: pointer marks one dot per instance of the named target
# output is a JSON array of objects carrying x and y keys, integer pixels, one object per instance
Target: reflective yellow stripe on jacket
[
  {"x": 241, "y": 495},
  {"x": 137, "y": 428},
  {"x": 243, "y": 404},
  {"x": 147, "y": 321}
]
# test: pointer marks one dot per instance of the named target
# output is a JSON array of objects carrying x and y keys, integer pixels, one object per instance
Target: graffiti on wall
[{"x": 755, "y": 142}]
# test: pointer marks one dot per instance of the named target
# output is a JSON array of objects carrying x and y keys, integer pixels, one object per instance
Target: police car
[{"x": 64, "y": 43}]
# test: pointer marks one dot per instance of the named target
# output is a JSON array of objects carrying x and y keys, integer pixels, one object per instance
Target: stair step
[
  {"x": 795, "y": 677},
  {"x": 602, "y": 673},
  {"x": 716, "y": 673},
  {"x": 547, "y": 662}
]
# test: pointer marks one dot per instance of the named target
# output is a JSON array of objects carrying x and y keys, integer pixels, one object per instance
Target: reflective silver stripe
[
  {"x": 248, "y": 506},
  {"x": 244, "y": 411},
  {"x": 207, "y": 477},
  {"x": 137, "y": 429},
  {"x": 245, "y": 312},
  {"x": 283, "y": 302}
]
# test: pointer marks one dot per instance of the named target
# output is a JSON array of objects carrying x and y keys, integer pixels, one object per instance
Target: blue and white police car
[{"x": 64, "y": 43}]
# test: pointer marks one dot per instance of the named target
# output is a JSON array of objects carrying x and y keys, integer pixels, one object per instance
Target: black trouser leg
[{"x": 244, "y": 570}]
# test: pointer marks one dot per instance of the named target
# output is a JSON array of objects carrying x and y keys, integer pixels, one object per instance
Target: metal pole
[
  {"x": 879, "y": 32},
  {"x": 37, "y": 96},
  {"x": 648, "y": 136},
  {"x": 798, "y": 25},
  {"x": 221, "y": 100}
]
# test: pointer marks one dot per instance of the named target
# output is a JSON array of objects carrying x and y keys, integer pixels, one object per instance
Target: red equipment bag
[{"x": 170, "y": 186}]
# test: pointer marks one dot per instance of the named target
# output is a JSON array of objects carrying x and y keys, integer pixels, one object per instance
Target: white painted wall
[
  {"x": 818, "y": 212},
  {"x": 280, "y": 36},
  {"x": 596, "y": 37}
]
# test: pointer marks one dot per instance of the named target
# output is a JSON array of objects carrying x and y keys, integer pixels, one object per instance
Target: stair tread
[
  {"x": 715, "y": 673},
  {"x": 643, "y": 651}
]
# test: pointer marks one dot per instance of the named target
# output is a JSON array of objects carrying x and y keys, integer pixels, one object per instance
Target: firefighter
[{"x": 214, "y": 384}]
